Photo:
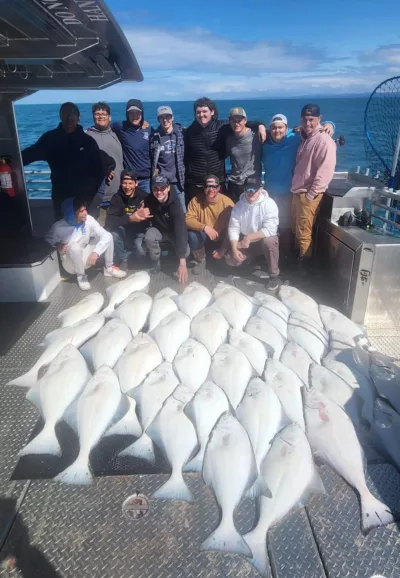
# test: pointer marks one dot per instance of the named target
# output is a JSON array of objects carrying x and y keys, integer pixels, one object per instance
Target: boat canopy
[{"x": 50, "y": 44}]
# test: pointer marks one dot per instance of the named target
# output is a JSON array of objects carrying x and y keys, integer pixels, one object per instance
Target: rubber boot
[{"x": 200, "y": 258}]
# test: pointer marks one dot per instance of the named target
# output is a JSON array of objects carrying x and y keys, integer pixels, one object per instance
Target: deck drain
[{"x": 135, "y": 507}]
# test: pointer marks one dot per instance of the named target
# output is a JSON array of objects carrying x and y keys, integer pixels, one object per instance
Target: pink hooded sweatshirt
[{"x": 315, "y": 164}]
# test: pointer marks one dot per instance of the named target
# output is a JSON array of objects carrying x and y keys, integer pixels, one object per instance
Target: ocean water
[{"x": 347, "y": 114}]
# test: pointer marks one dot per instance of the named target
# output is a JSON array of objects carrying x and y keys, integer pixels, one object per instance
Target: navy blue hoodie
[{"x": 135, "y": 143}]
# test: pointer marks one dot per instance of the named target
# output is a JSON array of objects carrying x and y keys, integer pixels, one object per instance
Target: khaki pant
[
  {"x": 303, "y": 216},
  {"x": 269, "y": 247}
]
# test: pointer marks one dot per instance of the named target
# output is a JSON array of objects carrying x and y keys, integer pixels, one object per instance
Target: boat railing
[{"x": 38, "y": 183}]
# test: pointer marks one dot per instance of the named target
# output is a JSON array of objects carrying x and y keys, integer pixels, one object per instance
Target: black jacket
[
  {"x": 74, "y": 159},
  {"x": 169, "y": 218},
  {"x": 121, "y": 207},
  {"x": 205, "y": 149}
]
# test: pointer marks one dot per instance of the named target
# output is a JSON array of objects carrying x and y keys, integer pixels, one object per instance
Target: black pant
[{"x": 234, "y": 191}]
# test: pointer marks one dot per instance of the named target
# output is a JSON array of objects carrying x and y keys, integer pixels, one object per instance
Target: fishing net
[{"x": 381, "y": 125}]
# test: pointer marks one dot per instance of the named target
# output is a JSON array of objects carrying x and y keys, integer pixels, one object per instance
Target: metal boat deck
[{"x": 52, "y": 530}]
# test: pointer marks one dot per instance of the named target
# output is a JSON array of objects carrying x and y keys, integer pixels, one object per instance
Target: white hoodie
[
  {"x": 246, "y": 218},
  {"x": 62, "y": 232}
]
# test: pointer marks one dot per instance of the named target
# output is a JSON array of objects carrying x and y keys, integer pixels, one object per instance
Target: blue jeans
[
  {"x": 181, "y": 195},
  {"x": 196, "y": 240},
  {"x": 123, "y": 238},
  {"x": 144, "y": 184}
]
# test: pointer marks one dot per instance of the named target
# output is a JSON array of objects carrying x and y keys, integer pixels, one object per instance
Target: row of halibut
[{"x": 222, "y": 383}]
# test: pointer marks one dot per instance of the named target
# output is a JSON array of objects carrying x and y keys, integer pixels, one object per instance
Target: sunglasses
[
  {"x": 214, "y": 187},
  {"x": 251, "y": 191}
]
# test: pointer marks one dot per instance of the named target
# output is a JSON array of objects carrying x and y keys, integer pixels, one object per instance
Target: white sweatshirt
[
  {"x": 246, "y": 218},
  {"x": 62, "y": 232}
]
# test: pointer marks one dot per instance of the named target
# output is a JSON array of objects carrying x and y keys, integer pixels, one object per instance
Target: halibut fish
[
  {"x": 229, "y": 469},
  {"x": 109, "y": 343},
  {"x": 333, "y": 438},
  {"x": 295, "y": 300},
  {"x": 194, "y": 298},
  {"x": 210, "y": 328},
  {"x": 235, "y": 306},
  {"x": 87, "y": 307},
  {"x": 163, "y": 305},
  {"x": 54, "y": 392},
  {"x": 134, "y": 311},
  {"x": 170, "y": 333},
  {"x": 265, "y": 332},
  {"x": 287, "y": 386},
  {"x": 208, "y": 404},
  {"x": 297, "y": 359},
  {"x": 150, "y": 396},
  {"x": 118, "y": 292},
  {"x": 290, "y": 473},
  {"x": 173, "y": 432},
  {"x": 76, "y": 335},
  {"x": 97, "y": 406},
  {"x": 254, "y": 350},
  {"x": 231, "y": 370},
  {"x": 192, "y": 363},
  {"x": 140, "y": 357}
]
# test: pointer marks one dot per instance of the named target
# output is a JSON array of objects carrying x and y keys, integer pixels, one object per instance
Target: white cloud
[{"x": 389, "y": 55}]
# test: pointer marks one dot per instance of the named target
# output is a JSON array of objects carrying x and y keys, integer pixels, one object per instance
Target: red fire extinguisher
[{"x": 6, "y": 179}]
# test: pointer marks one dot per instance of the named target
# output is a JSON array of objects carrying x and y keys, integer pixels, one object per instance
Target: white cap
[{"x": 278, "y": 118}]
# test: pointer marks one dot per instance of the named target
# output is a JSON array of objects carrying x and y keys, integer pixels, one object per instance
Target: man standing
[
  {"x": 315, "y": 167},
  {"x": 244, "y": 148},
  {"x": 207, "y": 221},
  {"x": 126, "y": 219},
  {"x": 253, "y": 230},
  {"x": 279, "y": 159},
  {"x": 134, "y": 135},
  {"x": 108, "y": 142},
  {"x": 168, "y": 224},
  {"x": 205, "y": 146},
  {"x": 167, "y": 149},
  {"x": 74, "y": 159},
  {"x": 80, "y": 240}
]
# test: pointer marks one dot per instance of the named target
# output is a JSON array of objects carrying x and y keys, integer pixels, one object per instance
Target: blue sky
[{"x": 252, "y": 49}]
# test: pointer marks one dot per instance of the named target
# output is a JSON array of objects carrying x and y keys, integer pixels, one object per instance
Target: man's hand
[
  {"x": 211, "y": 233},
  {"x": 219, "y": 253},
  {"x": 262, "y": 133},
  {"x": 110, "y": 177},
  {"x": 238, "y": 256},
  {"x": 328, "y": 128},
  {"x": 92, "y": 259},
  {"x": 182, "y": 273},
  {"x": 61, "y": 248},
  {"x": 244, "y": 243},
  {"x": 140, "y": 215},
  {"x": 145, "y": 124}
]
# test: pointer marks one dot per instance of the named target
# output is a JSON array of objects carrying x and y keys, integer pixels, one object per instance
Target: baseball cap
[
  {"x": 310, "y": 110},
  {"x": 164, "y": 110},
  {"x": 212, "y": 178},
  {"x": 159, "y": 181},
  {"x": 134, "y": 108},
  {"x": 252, "y": 184},
  {"x": 278, "y": 118},
  {"x": 237, "y": 111},
  {"x": 127, "y": 174}
]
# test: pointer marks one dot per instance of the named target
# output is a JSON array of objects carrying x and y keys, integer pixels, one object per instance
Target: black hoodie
[
  {"x": 169, "y": 218},
  {"x": 135, "y": 142},
  {"x": 122, "y": 207}
]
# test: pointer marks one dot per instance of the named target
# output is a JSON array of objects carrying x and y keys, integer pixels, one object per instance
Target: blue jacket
[
  {"x": 155, "y": 143},
  {"x": 135, "y": 147},
  {"x": 279, "y": 160}
]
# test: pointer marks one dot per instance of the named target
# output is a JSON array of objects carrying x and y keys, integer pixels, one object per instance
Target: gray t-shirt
[
  {"x": 167, "y": 161},
  {"x": 245, "y": 154}
]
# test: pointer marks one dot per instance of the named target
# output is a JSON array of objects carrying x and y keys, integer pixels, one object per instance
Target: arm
[
  {"x": 180, "y": 230},
  {"x": 51, "y": 237},
  {"x": 37, "y": 152},
  {"x": 99, "y": 162},
  {"x": 326, "y": 162},
  {"x": 192, "y": 217},
  {"x": 270, "y": 222}
]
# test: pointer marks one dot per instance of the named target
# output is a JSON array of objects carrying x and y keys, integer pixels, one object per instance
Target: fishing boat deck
[{"x": 52, "y": 530}]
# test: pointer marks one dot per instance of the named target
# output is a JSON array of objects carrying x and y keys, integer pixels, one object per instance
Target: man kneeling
[
  {"x": 80, "y": 241},
  {"x": 253, "y": 229},
  {"x": 207, "y": 219}
]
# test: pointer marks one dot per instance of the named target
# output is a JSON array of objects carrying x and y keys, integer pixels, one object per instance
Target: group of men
[{"x": 123, "y": 188}]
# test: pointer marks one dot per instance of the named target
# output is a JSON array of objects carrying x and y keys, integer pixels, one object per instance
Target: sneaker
[
  {"x": 199, "y": 267},
  {"x": 273, "y": 284},
  {"x": 123, "y": 265},
  {"x": 83, "y": 282},
  {"x": 155, "y": 267},
  {"x": 261, "y": 274},
  {"x": 114, "y": 271}
]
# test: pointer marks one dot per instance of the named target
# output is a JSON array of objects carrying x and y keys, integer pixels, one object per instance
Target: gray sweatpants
[
  {"x": 152, "y": 240},
  {"x": 75, "y": 259}
]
